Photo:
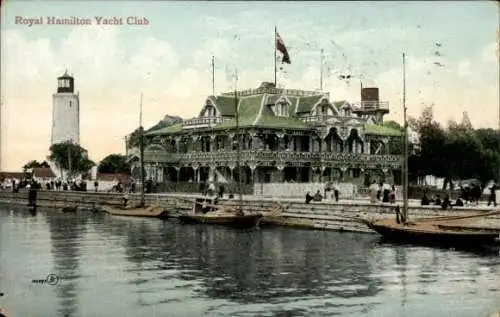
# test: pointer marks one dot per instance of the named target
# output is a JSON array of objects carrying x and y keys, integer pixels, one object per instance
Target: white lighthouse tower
[{"x": 65, "y": 112}]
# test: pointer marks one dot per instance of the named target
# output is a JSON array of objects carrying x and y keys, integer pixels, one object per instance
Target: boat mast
[
  {"x": 141, "y": 151},
  {"x": 321, "y": 71},
  {"x": 213, "y": 75},
  {"x": 405, "y": 163},
  {"x": 238, "y": 154}
]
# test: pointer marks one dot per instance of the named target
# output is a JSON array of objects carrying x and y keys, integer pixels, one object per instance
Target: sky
[{"x": 168, "y": 60}]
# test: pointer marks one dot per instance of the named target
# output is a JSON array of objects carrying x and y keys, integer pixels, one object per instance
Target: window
[
  {"x": 324, "y": 110},
  {"x": 210, "y": 111},
  {"x": 282, "y": 109}
]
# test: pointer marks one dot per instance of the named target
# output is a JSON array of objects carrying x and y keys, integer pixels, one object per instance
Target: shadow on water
[{"x": 485, "y": 251}]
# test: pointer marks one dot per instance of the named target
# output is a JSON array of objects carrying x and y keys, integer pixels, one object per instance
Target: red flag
[{"x": 280, "y": 46}]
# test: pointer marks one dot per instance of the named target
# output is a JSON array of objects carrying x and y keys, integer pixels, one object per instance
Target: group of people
[
  {"x": 382, "y": 192},
  {"x": 318, "y": 197},
  {"x": 467, "y": 195}
]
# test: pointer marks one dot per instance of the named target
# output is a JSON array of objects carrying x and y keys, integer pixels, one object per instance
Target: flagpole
[
  {"x": 321, "y": 72},
  {"x": 213, "y": 75},
  {"x": 275, "y": 57}
]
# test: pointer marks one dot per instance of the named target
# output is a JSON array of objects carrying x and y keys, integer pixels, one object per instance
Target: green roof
[
  {"x": 381, "y": 130},
  {"x": 307, "y": 103},
  {"x": 225, "y": 105},
  {"x": 170, "y": 129},
  {"x": 340, "y": 103},
  {"x": 256, "y": 111}
]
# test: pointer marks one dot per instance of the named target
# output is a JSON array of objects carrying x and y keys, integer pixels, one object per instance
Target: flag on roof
[{"x": 280, "y": 46}]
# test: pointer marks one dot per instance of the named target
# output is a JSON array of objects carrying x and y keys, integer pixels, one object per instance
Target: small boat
[
  {"x": 433, "y": 233},
  {"x": 205, "y": 211},
  {"x": 152, "y": 211},
  {"x": 430, "y": 231}
]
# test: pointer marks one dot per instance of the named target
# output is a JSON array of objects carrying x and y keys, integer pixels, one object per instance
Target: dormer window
[
  {"x": 281, "y": 109},
  {"x": 210, "y": 111},
  {"x": 346, "y": 110}
]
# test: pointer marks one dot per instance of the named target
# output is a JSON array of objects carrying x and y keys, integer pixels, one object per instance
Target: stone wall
[{"x": 346, "y": 216}]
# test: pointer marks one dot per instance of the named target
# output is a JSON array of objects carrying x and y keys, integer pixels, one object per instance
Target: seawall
[{"x": 345, "y": 215}]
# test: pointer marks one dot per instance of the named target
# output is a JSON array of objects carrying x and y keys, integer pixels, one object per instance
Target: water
[{"x": 147, "y": 267}]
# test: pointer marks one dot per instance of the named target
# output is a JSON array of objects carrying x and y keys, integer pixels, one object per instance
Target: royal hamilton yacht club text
[{"x": 97, "y": 20}]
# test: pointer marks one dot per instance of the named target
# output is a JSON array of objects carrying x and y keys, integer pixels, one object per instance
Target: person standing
[{"x": 493, "y": 196}]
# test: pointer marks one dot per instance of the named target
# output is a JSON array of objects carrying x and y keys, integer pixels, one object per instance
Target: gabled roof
[
  {"x": 307, "y": 103},
  {"x": 256, "y": 111},
  {"x": 339, "y": 104},
  {"x": 43, "y": 172},
  {"x": 225, "y": 105},
  {"x": 17, "y": 175}
]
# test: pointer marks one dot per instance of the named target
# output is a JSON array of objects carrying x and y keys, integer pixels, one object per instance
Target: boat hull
[
  {"x": 407, "y": 234},
  {"x": 151, "y": 212},
  {"x": 242, "y": 222}
]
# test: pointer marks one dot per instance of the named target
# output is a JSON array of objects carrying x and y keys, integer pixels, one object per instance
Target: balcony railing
[
  {"x": 279, "y": 157},
  {"x": 202, "y": 122},
  {"x": 276, "y": 91},
  {"x": 319, "y": 119},
  {"x": 371, "y": 105}
]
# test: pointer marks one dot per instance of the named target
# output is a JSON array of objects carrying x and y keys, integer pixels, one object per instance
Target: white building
[
  {"x": 65, "y": 117},
  {"x": 65, "y": 112}
]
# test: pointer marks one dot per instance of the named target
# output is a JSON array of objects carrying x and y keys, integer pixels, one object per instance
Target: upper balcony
[
  {"x": 204, "y": 122},
  {"x": 268, "y": 158},
  {"x": 371, "y": 106},
  {"x": 275, "y": 91}
]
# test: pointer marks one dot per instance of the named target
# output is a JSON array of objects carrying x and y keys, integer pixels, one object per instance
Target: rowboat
[
  {"x": 152, "y": 211},
  {"x": 434, "y": 233},
  {"x": 205, "y": 211}
]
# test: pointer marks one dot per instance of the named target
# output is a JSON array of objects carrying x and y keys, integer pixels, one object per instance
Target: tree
[
  {"x": 67, "y": 154},
  {"x": 35, "y": 164},
  {"x": 432, "y": 138},
  {"x": 457, "y": 152},
  {"x": 114, "y": 163},
  {"x": 134, "y": 138}
]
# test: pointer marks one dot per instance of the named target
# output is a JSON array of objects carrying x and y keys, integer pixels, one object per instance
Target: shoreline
[{"x": 345, "y": 215}]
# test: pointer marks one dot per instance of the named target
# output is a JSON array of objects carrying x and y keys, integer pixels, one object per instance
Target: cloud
[{"x": 111, "y": 72}]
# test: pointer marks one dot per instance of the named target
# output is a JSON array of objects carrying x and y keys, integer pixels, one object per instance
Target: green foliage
[
  {"x": 35, "y": 164},
  {"x": 114, "y": 163},
  {"x": 394, "y": 125},
  {"x": 66, "y": 154},
  {"x": 133, "y": 140},
  {"x": 455, "y": 152}
]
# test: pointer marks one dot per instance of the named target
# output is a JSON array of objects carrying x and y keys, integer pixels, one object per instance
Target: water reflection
[
  {"x": 147, "y": 267},
  {"x": 66, "y": 232},
  {"x": 258, "y": 267}
]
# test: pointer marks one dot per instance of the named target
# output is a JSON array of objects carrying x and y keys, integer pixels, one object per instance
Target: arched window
[{"x": 210, "y": 111}]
